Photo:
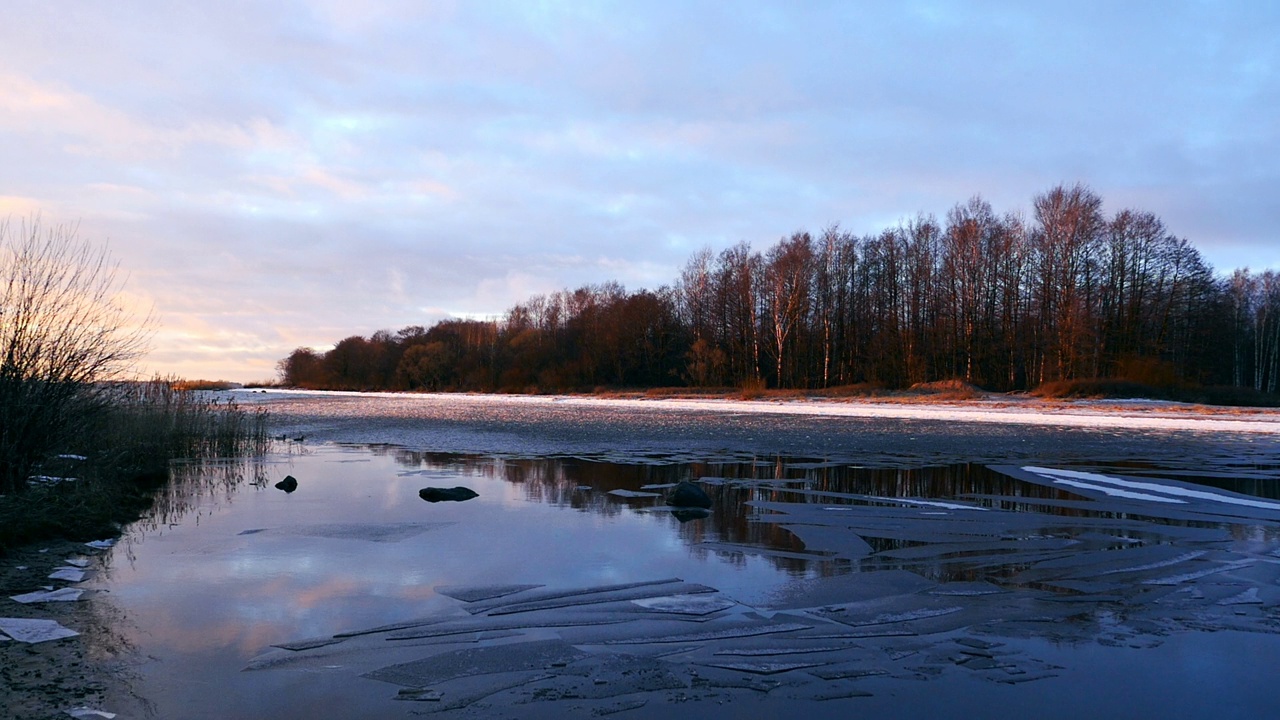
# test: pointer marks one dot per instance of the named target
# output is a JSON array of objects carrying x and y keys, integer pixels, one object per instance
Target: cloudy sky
[{"x": 273, "y": 175}]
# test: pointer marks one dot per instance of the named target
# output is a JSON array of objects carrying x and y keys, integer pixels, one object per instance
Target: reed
[{"x": 118, "y": 462}]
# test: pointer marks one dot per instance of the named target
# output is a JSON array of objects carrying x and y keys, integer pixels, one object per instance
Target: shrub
[
  {"x": 753, "y": 388},
  {"x": 62, "y": 335}
]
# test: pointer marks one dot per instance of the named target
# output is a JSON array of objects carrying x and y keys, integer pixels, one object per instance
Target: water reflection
[
  {"x": 740, "y": 489},
  {"x": 228, "y": 565}
]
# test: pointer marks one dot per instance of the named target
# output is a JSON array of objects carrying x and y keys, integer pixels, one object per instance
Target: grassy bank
[
  {"x": 958, "y": 390},
  {"x": 108, "y": 472},
  {"x": 1113, "y": 388}
]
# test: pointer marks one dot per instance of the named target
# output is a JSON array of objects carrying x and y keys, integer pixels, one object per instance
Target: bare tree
[
  {"x": 787, "y": 273},
  {"x": 63, "y": 334}
]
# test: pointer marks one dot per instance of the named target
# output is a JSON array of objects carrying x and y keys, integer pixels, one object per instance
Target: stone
[
  {"x": 684, "y": 515},
  {"x": 288, "y": 484},
  {"x": 688, "y": 495},
  {"x": 455, "y": 494}
]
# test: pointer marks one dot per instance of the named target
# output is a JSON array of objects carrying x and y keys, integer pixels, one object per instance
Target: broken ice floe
[
  {"x": 740, "y": 548},
  {"x": 1166, "y": 488},
  {"x": 1197, "y": 574},
  {"x": 1070, "y": 562},
  {"x": 549, "y": 595},
  {"x": 529, "y": 656},
  {"x": 475, "y": 593},
  {"x": 101, "y": 544},
  {"x": 580, "y": 645},
  {"x": 87, "y": 712},
  {"x": 62, "y": 595},
  {"x": 740, "y": 630},
  {"x": 50, "y": 479},
  {"x": 638, "y": 593},
  {"x": 68, "y": 574},
  {"x": 634, "y": 494},
  {"x": 764, "y": 668},
  {"x": 30, "y": 630},
  {"x": 685, "y": 604},
  {"x": 366, "y": 532}
]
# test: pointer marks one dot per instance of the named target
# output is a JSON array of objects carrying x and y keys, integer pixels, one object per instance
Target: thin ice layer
[{"x": 31, "y": 630}]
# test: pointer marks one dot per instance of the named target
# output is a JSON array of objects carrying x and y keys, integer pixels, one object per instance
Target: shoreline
[
  {"x": 992, "y": 408},
  {"x": 45, "y": 680}
]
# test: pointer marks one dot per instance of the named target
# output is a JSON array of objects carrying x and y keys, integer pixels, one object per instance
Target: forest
[{"x": 1000, "y": 301}]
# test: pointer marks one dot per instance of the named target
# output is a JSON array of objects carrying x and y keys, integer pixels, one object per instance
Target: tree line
[{"x": 998, "y": 300}]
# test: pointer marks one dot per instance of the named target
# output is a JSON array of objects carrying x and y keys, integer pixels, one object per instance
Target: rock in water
[
  {"x": 684, "y": 515},
  {"x": 456, "y": 494},
  {"x": 288, "y": 484},
  {"x": 686, "y": 494}
]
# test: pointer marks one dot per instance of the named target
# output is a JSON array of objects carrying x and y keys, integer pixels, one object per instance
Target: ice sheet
[
  {"x": 68, "y": 574},
  {"x": 531, "y": 656},
  {"x": 1080, "y": 415},
  {"x": 1167, "y": 489},
  {"x": 30, "y": 630},
  {"x": 476, "y": 593},
  {"x": 367, "y": 532},
  {"x": 62, "y": 595},
  {"x": 685, "y": 604},
  {"x": 604, "y": 597},
  {"x": 87, "y": 712},
  {"x": 634, "y": 494}
]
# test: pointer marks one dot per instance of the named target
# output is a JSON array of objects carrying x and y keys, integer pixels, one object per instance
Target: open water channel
[{"x": 895, "y": 567}]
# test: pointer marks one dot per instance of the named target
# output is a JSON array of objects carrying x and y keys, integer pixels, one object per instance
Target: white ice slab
[
  {"x": 633, "y": 494},
  {"x": 1138, "y": 415},
  {"x": 30, "y": 630},
  {"x": 62, "y": 595},
  {"x": 1159, "y": 487},
  {"x": 69, "y": 574},
  {"x": 87, "y": 712},
  {"x": 101, "y": 544},
  {"x": 685, "y": 604}
]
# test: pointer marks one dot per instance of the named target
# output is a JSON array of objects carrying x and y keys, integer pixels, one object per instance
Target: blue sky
[{"x": 272, "y": 175}]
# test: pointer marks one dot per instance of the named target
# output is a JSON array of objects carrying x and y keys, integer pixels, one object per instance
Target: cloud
[{"x": 291, "y": 174}]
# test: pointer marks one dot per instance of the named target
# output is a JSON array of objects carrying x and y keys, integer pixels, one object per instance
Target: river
[{"x": 900, "y": 566}]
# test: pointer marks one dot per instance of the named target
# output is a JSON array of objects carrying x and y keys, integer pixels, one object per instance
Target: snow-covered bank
[{"x": 1109, "y": 414}]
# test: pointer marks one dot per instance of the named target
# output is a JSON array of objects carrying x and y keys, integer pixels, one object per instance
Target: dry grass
[
  {"x": 959, "y": 391},
  {"x": 1098, "y": 388},
  {"x": 204, "y": 385},
  {"x": 859, "y": 390},
  {"x": 1121, "y": 388},
  {"x": 753, "y": 389},
  {"x": 953, "y": 389}
]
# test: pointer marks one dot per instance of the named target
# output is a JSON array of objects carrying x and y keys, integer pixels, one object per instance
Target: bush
[
  {"x": 948, "y": 389},
  {"x": 62, "y": 335},
  {"x": 65, "y": 345}
]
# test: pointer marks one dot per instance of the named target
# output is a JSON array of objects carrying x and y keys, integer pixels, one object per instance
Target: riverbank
[
  {"x": 113, "y": 469},
  {"x": 986, "y": 408},
  {"x": 42, "y": 681}
]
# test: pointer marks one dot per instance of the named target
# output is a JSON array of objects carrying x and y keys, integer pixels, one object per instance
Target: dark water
[{"x": 1145, "y": 576}]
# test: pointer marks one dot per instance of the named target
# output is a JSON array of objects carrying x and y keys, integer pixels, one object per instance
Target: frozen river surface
[{"x": 897, "y": 566}]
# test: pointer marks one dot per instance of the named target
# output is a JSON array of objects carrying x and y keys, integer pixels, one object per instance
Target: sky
[{"x": 287, "y": 174}]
